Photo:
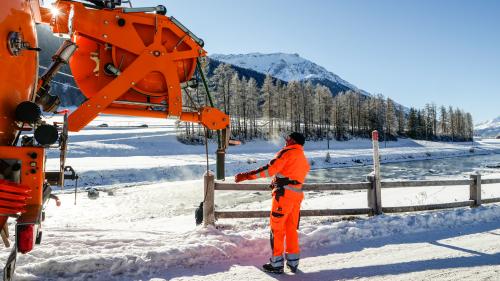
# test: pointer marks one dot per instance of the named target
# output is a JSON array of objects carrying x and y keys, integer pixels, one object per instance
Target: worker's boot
[
  {"x": 292, "y": 262},
  {"x": 270, "y": 268},
  {"x": 275, "y": 265},
  {"x": 292, "y": 268}
]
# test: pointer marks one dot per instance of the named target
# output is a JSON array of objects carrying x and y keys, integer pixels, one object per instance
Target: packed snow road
[
  {"x": 457, "y": 254},
  {"x": 148, "y": 233}
]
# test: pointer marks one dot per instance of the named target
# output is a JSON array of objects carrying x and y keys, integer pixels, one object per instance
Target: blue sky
[{"x": 447, "y": 52}]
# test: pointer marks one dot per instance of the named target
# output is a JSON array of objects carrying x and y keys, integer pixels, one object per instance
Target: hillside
[
  {"x": 244, "y": 72},
  {"x": 490, "y": 128}
]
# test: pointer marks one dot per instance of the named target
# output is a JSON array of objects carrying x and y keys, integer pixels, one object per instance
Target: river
[{"x": 413, "y": 170}]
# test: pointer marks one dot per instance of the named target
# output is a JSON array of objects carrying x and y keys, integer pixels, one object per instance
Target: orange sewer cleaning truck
[{"x": 126, "y": 60}]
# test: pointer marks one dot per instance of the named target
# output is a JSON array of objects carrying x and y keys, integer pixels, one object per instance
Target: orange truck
[{"x": 126, "y": 60}]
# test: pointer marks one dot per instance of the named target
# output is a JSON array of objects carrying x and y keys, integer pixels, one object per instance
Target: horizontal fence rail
[
  {"x": 490, "y": 181},
  {"x": 474, "y": 184},
  {"x": 418, "y": 183},
  {"x": 303, "y": 213},
  {"x": 491, "y": 200},
  {"x": 404, "y": 209},
  {"x": 305, "y": 187}
]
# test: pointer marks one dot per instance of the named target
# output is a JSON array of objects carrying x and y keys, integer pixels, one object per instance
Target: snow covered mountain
[
  {"x": 490, "y": 128},
  {"x": 288, "y": 67}
]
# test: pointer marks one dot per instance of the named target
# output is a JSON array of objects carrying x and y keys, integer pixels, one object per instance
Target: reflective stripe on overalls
[
  {"x": 291, "y": 188},
  {"x": 264, "y": 173},
  {"x": 294, "y": 189}
]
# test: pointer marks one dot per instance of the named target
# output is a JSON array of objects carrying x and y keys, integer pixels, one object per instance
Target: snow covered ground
[{"x": 146, "y": 231}]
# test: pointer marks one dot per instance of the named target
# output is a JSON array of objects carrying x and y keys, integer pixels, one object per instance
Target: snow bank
[{"x": 388, "y": 225}]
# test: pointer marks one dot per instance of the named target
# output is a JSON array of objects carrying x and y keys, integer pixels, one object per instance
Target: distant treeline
[
  {"x": 270, "y": 107},
  {"x": 276, "y": 108}
]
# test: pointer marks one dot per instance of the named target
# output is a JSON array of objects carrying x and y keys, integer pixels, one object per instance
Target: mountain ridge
[
  {"x": 490, "y": 128},
  {"x": 289, "y": 67}
]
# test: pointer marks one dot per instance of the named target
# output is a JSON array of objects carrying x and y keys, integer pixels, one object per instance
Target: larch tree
[
  {"x": 268, "y": 103},
  {"x": 390, "y": 118}
]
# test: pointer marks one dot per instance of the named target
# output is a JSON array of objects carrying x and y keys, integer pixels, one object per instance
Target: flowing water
[{"x": 413, "y": 170}]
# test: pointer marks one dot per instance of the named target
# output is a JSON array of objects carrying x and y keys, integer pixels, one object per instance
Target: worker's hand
[
  {"x": 241, "y": 177},
  {"x": 245, "y": 176}
]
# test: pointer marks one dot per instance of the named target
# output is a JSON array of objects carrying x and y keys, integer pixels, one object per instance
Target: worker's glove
[
  {"x": 58, "y": 202},
  {"x": 244, "y": 176}
]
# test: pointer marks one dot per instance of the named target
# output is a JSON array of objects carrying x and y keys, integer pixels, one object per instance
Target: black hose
[{"x": 198, "y": 64}]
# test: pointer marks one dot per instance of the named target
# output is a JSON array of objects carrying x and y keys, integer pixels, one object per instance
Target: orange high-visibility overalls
[{"x": 289, "y": 168}]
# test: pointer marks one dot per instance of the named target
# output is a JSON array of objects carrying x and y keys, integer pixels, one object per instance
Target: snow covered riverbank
[{"x": 126, "y": 153}]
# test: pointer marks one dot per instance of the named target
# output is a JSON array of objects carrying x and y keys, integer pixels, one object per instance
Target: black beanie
[{"x": 298, "y": 138}]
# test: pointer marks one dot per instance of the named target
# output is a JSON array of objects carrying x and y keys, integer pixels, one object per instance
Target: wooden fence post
[
  {"x": 209, "y": 201},
  {"x": 475, "y": 189},
  {"x": 376, "y": 184}
]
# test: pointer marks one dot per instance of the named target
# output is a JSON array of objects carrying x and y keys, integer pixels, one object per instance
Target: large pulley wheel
[{"x": 92, "y": 57}]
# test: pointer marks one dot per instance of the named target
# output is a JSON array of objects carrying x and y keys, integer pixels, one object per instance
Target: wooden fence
[{"x": 373, "y": 186}]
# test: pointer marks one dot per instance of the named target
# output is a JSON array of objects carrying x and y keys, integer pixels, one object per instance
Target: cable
[
  {"x": 191, "y": 99},
  {"x": 67, "y": 85},
  {"x": 204, "y": 82},
  {"x": 59, "y": 72}
]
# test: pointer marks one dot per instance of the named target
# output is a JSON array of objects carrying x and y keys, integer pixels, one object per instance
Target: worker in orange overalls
[{"x": 289, "y": 168}]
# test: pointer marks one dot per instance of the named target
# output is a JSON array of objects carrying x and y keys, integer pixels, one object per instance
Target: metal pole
[
  {"x": 76, "y": 186},
  {"x": 328, "y": 139},
  {"x": 220, "y": 161},
  {"x": 376, "y": 172}
]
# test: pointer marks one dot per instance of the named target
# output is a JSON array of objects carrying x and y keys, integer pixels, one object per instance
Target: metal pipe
[
  {"x": 160, "y": 9},
  {"x": 135, "y": 112},
  {"x": 62, "y": 56},
  {"x": 220, "y": 164},
  {"x": 189, "y": 83},
  {"x": 124, "y": 102},
  {"x": 196, "y": 39},
  {"x": 112, "y": 70},
  {"x": 66, "y": 51}
]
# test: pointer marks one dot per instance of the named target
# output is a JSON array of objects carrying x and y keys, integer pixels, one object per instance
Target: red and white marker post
[{"x": 374, "y": 196}]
